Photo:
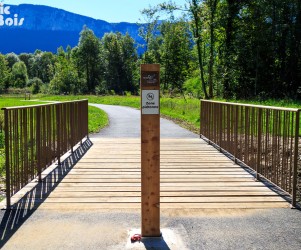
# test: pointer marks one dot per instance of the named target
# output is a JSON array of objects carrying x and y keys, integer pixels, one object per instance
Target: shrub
[
  {"x": 35, "y": 85},
  {"x": 1, "y": 140},
  {"x": 1, "y": 122}
]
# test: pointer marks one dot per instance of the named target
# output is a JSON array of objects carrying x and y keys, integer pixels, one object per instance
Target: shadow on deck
[{"x": 34, "y": 194}]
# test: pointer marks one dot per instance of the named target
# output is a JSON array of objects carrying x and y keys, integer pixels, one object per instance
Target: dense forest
[{"x": 243, "y": 49}]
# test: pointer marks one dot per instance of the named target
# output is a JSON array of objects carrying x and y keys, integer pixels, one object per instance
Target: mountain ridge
[{"x": 42, "y": 23}]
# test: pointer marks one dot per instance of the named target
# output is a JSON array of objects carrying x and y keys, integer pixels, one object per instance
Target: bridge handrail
[
  {"x": 38, "y": 135},
  {"x": 262, "y": 137}
]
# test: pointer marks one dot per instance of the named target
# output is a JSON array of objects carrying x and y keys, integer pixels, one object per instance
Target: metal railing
[
  {"x": 37, "y": 136},
  {"x": 264, "y": 138}
]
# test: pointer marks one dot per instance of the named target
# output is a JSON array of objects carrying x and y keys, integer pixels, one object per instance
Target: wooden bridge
[
  {"x": 104, "y": 173},
  {"x": 194, "y": 175}
]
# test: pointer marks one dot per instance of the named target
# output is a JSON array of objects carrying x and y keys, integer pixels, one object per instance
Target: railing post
[
  {"x": 6, "y": 132},
  {"x": 220, "y": 127},
  {"x": 38, "y": 143},
  {"x": 259, "y": 143},
  {"x": 72, "y": 124},
  {"x": 236, "y": 108},
  {"x": 201, "y": 118},
  {"x": 295, "y": 170},
  {"x": 58, "y": 132}
]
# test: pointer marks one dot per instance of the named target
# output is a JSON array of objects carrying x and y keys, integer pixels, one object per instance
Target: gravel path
[{"x": 199, "y": 229}]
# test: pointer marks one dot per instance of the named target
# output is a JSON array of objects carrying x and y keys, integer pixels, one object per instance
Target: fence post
[
  {"x": 236, "y": 110},
  {"x": 6, "y": 132},
  {"x": 58, "y": 132},
  {"x": 259, "y": 143},
  {"x": 295, "y": 170},
  {"x": 38, "y": 138},
  {"x": 201, "y": 118},
  {"x": 72, "y": 123}
]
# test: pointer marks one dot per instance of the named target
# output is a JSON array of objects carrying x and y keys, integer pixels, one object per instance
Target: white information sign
[{"x": 150, "y": 102}]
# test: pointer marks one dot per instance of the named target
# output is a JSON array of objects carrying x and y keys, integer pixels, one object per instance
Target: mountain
[{"x": 48, "y": 28}]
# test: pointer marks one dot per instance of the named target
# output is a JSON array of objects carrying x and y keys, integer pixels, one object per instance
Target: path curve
[{"x": 125, "y": 122}]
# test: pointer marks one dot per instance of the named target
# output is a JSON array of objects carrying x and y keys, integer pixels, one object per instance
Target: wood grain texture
[
  {"x": 150, "y": 160},
  {"x": 96, "y": 182}
]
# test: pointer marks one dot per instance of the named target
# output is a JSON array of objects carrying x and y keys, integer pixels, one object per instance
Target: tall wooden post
[{"x": 150, "y": 150}]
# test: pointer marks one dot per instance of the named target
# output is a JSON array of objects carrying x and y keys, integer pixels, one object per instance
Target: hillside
[{"x": 47, "y": 28}]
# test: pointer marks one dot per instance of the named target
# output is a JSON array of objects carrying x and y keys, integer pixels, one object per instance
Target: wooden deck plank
[
  {"x": 98, "y": 194},
  {"x": 194, "y": 175},
  {"x": 163, "y": 206}
]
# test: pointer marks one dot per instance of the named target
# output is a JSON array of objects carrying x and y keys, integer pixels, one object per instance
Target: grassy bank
[
  {"x": 98, "y": 119},
  {"x": 184, "y": 112}
]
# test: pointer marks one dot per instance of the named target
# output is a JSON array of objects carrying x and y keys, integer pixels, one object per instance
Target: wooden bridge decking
[{"x": 194, "y": 175}]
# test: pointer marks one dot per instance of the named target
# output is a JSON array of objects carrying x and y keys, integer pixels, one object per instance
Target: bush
[
  {"x": 1, "y": 122},
  {"x": 44, "y": 89},
  {"x": 1, "y": 140},
  {"x": 2, "y": 154},
  {"x": 2, "y": 162},
  {"x": 15, "y": 91},
  {"x": 193, "y": 87},
  {"x": 35, "y": 85}
]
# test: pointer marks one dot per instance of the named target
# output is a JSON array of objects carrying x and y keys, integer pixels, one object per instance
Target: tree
[
  {"x": 11, "y": 58},
  {"x": 149, "y": 32},
  {"x": 175, "y": 54},
  {"x": 89, "y": 58},
  {"x": 42, "y": 66},
  {"x": 129, "y": 64},
  {"x": 4, "y": 73},
  {"x": 120, "y": 63},
  {"x": 212, "y": 6},
  {"x": 194, "y": 11},
  {"x": 28, "y": 59},
  {"x": 66, "y": 79},
  {"x": 35, "y": 84},
  {"x": 19, "y": 77}
]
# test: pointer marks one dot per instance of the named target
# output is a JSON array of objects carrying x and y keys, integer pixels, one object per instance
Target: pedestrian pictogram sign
[{"x": 150, "y": 102}]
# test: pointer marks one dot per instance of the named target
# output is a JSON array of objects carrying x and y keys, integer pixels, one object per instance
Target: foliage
[
  {"x": 35, "y": 85},
  {"x": 66, "y": 79},
  {"x": 1, "y": 139},
  {"x": 4, "y": 73},
  {"x": 88, "y": 59},
  {"x": 11, "y": 59},
  {"x": 237, "y": 49},
  {"x": 175, "y": 55},
  {"x": 42, "y": 66},
  {"x": 120, "y": 63},
  {"x": 19, "y": 76},
  {"x": 1, "y": 124},
  {"x": 193, "y": 87},
  {"x": 2, "y": 161}
]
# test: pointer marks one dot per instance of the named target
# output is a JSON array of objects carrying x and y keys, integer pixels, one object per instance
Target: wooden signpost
[{"x": 150, "y": 150}]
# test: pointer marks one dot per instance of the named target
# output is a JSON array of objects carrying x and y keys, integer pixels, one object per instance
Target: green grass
[
  {"x": 185, "y": 112},
  {"x": 11, "y": 102},
  {"x": 98, "y": 119},
  {"x": 131, "y": 101},
  {"x": 285, "y": 103}
]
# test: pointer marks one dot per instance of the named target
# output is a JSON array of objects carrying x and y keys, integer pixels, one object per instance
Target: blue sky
[{"x": 108, "y": 10}]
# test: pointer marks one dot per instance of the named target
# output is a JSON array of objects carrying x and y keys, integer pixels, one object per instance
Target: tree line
[
  {"x": 94, "y": 66},
  {"x": 214, "y": 48}
]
